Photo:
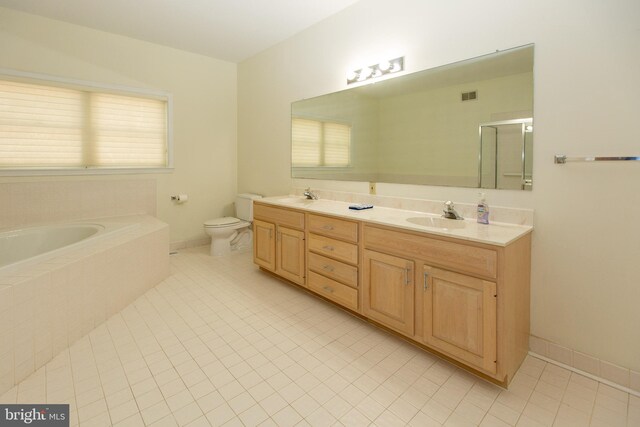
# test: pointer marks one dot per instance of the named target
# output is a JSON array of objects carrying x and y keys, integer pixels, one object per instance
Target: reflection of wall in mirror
[{"x": 419, "y": 137}]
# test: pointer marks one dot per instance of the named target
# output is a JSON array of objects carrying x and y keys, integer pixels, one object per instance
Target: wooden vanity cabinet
[
  {"x": 471, "y": 300},
  {"x": 279, "y": 241},
  {"x": 465, "y": 300}
]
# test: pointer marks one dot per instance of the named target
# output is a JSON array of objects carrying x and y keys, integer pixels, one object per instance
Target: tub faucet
[
  {"x": 310, "y": 194},
  {"x": 450, "y": 212}
]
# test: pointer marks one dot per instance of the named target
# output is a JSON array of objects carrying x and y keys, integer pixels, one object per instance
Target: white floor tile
[{"x": 221, "y": 343}]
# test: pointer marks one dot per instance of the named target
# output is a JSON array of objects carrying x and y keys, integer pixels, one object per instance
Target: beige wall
[
  {"x": 204, "y": 116},
  {"x": 585, "y": 288}
]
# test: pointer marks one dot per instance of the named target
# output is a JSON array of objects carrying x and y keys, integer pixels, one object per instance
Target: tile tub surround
[
  {"x": 498, "y": 214},
  {"x": 219, "y": 343},
  {"x": 46, "y": 307},
  {"x": 53, "y": 201}
]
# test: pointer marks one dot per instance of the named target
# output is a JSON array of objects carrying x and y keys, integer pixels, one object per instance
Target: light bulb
[
  {"x": 384, "y": 66},
  {"x": 365, "y": 73}
]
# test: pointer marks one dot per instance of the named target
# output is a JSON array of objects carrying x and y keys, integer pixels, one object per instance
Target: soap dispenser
[{"x": 483, "y": 210}]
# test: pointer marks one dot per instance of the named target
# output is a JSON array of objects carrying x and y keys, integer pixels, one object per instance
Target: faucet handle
[{"x": 448, "y": 204}]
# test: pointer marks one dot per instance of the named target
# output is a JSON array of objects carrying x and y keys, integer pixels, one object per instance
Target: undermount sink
[
  {"x": 296, "y": 200},
  {"x": 437, "y": 222}
]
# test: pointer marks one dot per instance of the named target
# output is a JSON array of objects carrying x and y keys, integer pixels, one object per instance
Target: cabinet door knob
[
  {"x": 406, "y": 276},
  {"x": 328, "y": 248},
  {"x": 425, "y": 280}
]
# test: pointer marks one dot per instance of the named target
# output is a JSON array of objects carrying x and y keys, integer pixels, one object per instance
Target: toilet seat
[{"x": 225, "y": 222}]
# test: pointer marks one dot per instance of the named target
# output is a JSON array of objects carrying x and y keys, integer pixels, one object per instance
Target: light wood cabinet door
[
  {"x": 388, "y": 290},
  {"x": 264, "y": 244},
  {"x": 290, "y": 254},
  {"x": 459, "y": 315}
]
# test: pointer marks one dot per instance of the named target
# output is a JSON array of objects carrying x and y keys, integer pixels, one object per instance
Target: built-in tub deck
[{"x": 49, "y": 301}]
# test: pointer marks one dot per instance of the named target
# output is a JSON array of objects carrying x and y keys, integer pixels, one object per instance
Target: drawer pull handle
[
  {"x": 328, "y": 248},
  {"x": 327, "y": 267},
  {"x": 328, "y": 289},
  {"x": 327, "y": 227},
  {"x": 406, "y": 276},
  {"x": 425, "y": 280}
]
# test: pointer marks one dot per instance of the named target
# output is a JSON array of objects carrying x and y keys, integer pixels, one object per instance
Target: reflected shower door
[{"x": 506, "y": 154}]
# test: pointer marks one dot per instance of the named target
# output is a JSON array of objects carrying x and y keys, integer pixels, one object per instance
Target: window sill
[{"x": 84, "y": 171}]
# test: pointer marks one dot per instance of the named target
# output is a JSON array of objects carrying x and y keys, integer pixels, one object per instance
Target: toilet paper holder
[{"x": 180, "y": 198}]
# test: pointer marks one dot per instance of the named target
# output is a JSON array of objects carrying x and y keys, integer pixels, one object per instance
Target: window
[
  {"x": 50, "y": 125},
  {"x": 316, "y": 143}
]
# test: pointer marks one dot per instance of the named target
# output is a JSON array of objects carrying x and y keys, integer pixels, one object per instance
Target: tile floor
[{"x": 220, "y": 343}]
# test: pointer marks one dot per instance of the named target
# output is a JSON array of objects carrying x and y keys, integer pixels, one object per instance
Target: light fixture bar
[{"x": 376, "y": 70}]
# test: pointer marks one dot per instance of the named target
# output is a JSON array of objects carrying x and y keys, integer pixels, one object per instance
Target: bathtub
[
  {"x": 58, "y": 282},
  {"x": 30, "y": 245}
]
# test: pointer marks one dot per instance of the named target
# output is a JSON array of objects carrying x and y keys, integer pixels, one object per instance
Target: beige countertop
[{"x": 499, "y": 234}]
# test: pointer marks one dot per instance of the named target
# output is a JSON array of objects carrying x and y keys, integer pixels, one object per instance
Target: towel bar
[{"x": 562, "y": 159}]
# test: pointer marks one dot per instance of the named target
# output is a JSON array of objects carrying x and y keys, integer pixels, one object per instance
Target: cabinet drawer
[
  {"x": 342, "y": 294},
  {"x": 336, "y": 270},
  {"x": 333, "y": 227},
  {"x": 333, "y": 248},
  {"x": 464, "y": 258},
  {"x": 280, "y": 216}
]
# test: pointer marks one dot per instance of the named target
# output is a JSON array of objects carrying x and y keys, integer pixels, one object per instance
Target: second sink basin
[
  {"x": 437, "y": 222},
  {"x": 296, "y": 200}
]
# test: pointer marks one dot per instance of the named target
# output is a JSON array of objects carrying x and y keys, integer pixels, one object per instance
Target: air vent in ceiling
[{"x": 470, "y": 96}]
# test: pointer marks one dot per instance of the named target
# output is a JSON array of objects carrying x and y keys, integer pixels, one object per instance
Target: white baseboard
[
  {"x": 619, "y": 377},
  {"x": 184, "y": 244}
]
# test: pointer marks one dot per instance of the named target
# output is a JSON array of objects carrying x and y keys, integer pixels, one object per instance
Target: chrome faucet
[
  {"x": 310, "y": 194},
  {"x": 450, "y": 212}
]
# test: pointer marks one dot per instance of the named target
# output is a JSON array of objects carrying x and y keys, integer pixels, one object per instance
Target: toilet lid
[{"x": 220, "y": 222}]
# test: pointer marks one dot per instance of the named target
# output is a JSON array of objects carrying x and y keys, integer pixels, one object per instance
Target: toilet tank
[{"x": 244, "y": 205}]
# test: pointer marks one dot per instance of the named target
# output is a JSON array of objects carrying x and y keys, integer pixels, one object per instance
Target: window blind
[
  {"x": 317, "y": 143},
  {"x": 48, "y": 126}
]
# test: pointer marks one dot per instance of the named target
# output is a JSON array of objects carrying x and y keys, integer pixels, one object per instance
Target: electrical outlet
[{"x": 372, "y": 188}]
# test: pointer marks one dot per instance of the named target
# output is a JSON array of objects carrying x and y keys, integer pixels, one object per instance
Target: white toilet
[{"x": 229, "y": 233}]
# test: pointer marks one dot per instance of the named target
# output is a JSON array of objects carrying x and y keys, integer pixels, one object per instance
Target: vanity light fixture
[{"x": 382, "y": 68}]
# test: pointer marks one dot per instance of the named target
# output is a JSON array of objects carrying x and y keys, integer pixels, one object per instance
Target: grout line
[{"x": 586, "y": 374}]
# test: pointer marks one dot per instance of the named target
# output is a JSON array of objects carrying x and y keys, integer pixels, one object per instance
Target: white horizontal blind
[
  {"x": 40, "y": 126},
  {"x": 128, "y": 131},
  {"x": 46, "y": 126},
  {"x": 316, "y": 143},
  {"x": 337, "y": 139},
  {"x": 305, "y": 142}
]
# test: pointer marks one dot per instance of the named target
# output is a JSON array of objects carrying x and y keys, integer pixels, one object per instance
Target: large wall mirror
[{"x": 467, "y": 124}]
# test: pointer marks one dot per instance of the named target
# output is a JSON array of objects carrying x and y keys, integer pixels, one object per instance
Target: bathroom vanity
[{"x": 456, "y": 288}]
